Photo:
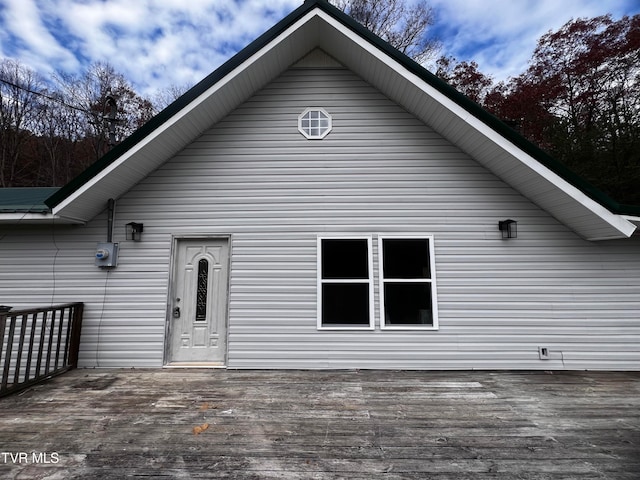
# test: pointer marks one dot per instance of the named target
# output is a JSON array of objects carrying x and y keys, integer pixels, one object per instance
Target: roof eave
[{"x": 27, "y": 218}]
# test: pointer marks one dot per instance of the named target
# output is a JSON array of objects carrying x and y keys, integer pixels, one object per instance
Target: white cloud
[
  {"x": 154, "y": 44},
  {"x": 158, "y": 43},
  {"x": 35, "y": 45}
]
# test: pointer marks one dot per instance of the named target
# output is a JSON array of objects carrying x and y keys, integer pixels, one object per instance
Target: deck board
[{"x": 104, "y": 424}]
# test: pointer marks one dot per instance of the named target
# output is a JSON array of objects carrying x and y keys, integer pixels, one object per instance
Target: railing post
[
  {"x": 3, "y": 325},
  {"x": 59, "y": 338},
  {"x": 23, "y": 331},
  {"x": 76, "y": 328},
  {"x": 43, "y": 334},
  {"x": 8, "y": 353},
  {"x": 32, "y": 338},
  {"x": 52, "y": 327}
]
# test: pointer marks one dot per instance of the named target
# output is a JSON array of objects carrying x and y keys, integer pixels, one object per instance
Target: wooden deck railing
[{"x": 38, "y": 344}]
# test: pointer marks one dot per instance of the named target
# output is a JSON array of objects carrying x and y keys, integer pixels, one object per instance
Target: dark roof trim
[{"x": 444, "y": 88}]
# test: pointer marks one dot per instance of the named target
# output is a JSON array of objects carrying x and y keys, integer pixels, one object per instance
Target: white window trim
[
  {"x": 315, "y": 137},
  {"x": 432, "y": 281},
  {"x": 320, "y": 282}
]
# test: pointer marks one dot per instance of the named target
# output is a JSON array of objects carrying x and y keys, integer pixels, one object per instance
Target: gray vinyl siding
[{"x": 379, "y": 172}]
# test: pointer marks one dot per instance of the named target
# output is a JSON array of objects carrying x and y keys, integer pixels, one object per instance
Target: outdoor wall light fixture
[
  {"x": 134, "y": 231},
  {"x": 509, "y": 228}
]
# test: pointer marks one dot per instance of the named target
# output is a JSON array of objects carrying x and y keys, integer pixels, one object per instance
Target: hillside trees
[
  {"x": 52, "y": 131},
  {"x": 20, "y": 110},
  {"x": 579, "y": 100}
]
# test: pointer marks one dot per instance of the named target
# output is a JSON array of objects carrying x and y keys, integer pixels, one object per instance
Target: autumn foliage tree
[
  {"x": 465, "y": 77},
  {"x": 580, "y": 100}
]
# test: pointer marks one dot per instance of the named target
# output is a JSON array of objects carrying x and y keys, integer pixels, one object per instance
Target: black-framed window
[
  {"x": 345, "y": 283},
  {"x": 407, "y": 283}
]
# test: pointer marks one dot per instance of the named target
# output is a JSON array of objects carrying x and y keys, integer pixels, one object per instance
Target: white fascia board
[
  {"x": 35, "y": 218},
  {"x": 625, "y": 227},
  {"x": 171, "y": 122},
  {"x": 633, "y": 219}
]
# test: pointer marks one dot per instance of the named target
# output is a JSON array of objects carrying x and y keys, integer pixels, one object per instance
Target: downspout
[{"x": 111, "y": 204}]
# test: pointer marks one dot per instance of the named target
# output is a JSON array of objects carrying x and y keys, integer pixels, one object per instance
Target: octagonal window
[{"x": 314, "y": 123}]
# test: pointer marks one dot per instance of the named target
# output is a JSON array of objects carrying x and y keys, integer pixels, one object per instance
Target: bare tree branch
[{"x": 403, "y": 25}]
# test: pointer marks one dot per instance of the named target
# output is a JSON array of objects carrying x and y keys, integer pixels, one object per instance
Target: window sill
[
  {"x": 410, "y": 327},
  {"x": 349, "y": 328}
]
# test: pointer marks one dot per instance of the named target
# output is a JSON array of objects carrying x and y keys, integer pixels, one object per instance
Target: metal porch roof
[{"x": 25, "y": 200}]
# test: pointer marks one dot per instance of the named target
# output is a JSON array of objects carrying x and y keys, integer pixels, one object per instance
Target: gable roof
[{"x": 317, "y": 24}]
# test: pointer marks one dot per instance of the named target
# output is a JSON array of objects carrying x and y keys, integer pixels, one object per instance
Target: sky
[{"x": 157, "y": 44}]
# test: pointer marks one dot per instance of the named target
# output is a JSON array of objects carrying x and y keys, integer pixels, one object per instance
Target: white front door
[{"x": 197, "y": 319}]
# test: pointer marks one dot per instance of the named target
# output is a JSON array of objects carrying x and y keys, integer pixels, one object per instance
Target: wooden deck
[{"x": 112, "y": 424}]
